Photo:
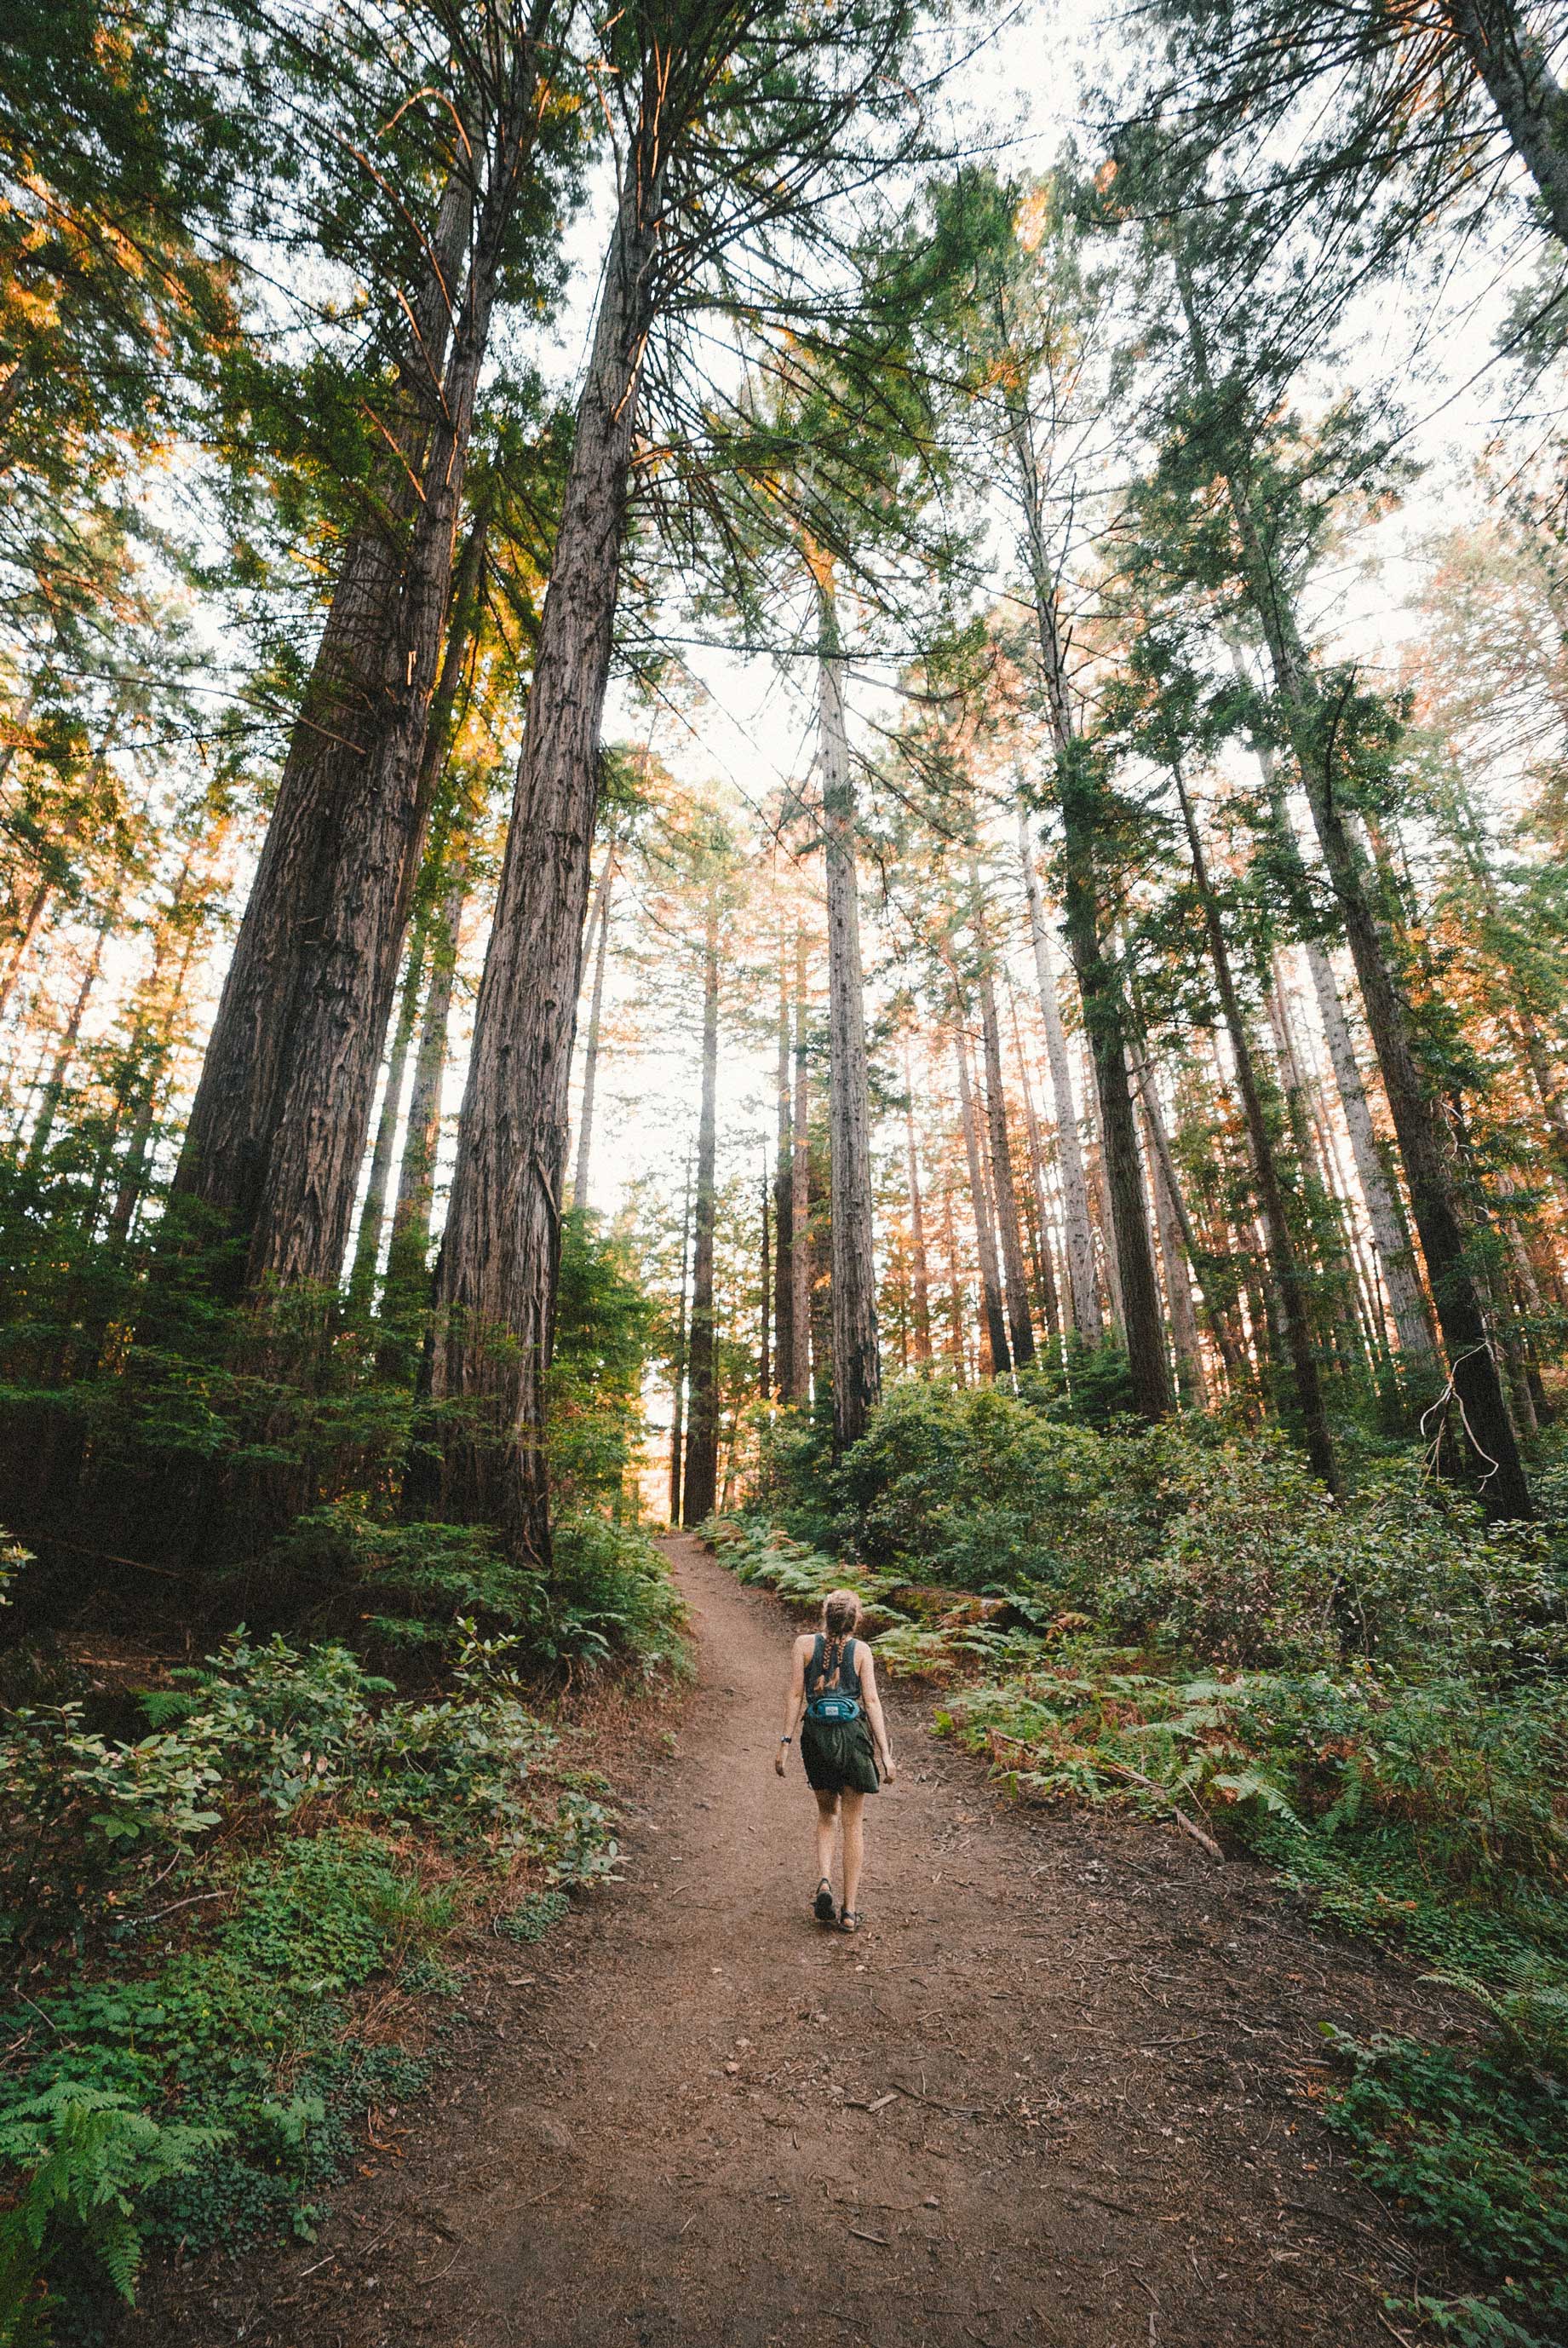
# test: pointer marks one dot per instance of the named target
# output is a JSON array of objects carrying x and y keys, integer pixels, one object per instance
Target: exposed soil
[{"x": 1058, "y": 2090}]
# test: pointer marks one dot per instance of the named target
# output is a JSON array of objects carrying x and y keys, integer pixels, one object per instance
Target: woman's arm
[
  {"x": 794, "y": 1702},
  {"x": 874, "y": 1712}
]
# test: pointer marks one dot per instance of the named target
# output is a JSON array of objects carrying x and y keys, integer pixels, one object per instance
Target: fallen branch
[{"x": 1203, "y": 1839}]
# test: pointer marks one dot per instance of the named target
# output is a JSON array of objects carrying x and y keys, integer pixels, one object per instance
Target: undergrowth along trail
[{"x": 1066, "y": 2082}]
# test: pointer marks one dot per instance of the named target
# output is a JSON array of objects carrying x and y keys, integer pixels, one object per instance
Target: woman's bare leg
[
  {"x": 826, "y": 1820},
  {"x": 854, "y": 1808}
]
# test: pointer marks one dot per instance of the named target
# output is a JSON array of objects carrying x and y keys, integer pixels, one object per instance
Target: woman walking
[{"x": 833, "y": 1681}]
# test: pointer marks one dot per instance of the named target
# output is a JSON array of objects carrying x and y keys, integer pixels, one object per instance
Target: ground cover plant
[
  {"x": 222, "y": 1937},
  {"x": 1369, "y": 1696}
]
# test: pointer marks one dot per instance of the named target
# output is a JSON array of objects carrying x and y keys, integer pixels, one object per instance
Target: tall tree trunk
[
  {"x": 1099, "y": 984},
  {"x": 1080, "y": 1235},
  {"x": 373, "y": 1214},
  {"x": 66, "y": 1050},
  {"x": 277, "y": 1130},
  {"x": 1020, "y": 1330},
  {"x": 499, "y": 1261},
  {"x": 1199, "y": 1257},
  {"x": 416, "y": 1200},
  {"x": 1425, "y": 1146},
  {"x": 595, "y": 1016},
  {"x": 985, "y": 1243},
  {"x": 1411, "y": 1321},
  {"x": 1045, "y": 1270},
  {"x": 800, "y": 1193},
  {"x": 1507, "y": 56},
  {"x": 919, "y": 1269},
  {"x": 701, "y": 1496},
  {"x": 955, "y": 1287},
  {"x": 1282, "y": 1258},
  {"x": 857, "y": 1364},
  {"x": 784, "y": 1206},
  {"x": 764, "y": 1366},
  {"x": 678, "y": 1397},
  {"x": 1191, "y": 1378}
]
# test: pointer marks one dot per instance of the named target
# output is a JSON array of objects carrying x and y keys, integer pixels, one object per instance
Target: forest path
[{"x": 1056, "y": 2091}]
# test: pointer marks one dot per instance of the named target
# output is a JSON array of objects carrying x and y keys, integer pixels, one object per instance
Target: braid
[{"x": 840, "y": 1614}]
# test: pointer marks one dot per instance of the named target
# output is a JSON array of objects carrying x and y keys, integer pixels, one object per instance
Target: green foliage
[
  {"x": 1473, "y": 2149},
  {"x": 1367, "y": 1695},
  {"x": 86, "y": 2160},
  {"x": 531, "y": 1919}
]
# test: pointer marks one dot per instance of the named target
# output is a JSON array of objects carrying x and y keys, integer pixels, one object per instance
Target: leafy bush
[{"x": 1473, "y": 2149}]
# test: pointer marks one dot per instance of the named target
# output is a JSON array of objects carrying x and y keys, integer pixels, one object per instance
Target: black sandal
[
  {"x": 821, "y": 1906},
  {"x": 849, "y": 1920}
]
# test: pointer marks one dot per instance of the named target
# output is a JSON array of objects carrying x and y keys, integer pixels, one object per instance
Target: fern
[{"x": 87, "y": 2156}]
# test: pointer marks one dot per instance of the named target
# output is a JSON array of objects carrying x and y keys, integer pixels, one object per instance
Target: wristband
[{"x": 786, "y": 1740}]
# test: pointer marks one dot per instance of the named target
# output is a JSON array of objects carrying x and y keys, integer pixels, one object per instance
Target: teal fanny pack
[{"x": 833, "y": 1707}]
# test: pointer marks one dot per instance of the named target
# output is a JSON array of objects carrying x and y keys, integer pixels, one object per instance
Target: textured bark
[
  {"x": 994, "y": 1317},
  {"x": 802, "y": 1200},
  {"x": 1142, "y": 1328},
  {"x": 1284, "y": 1260},
  {"x": 500, "y": 1264},
  {"x": 1508, "y": 58},
  {"x": 277, "y": 1130},
  {"x": 857, "y": 1364},
  {"x": 784, "y": 1205},
  {"x": 373, "y": 1214},
  {"x": 410, "y": 1245},
  {"x": 701, "y": 1495},
  {"x": 920, "y": 1268},
  {"x": 1004, "y": 1191},
  {"x": 1079, "y": 1232},
  {"x": 590, "y": 1042}
]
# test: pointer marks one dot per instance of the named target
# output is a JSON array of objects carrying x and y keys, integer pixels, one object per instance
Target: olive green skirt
[{"x": 839, "y": 1755}]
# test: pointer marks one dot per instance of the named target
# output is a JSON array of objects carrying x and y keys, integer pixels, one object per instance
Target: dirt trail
[{"x": 1056, "y": 2091}]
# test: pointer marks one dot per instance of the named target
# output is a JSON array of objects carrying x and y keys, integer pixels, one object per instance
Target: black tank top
[{"x": 845, "y": 1681}]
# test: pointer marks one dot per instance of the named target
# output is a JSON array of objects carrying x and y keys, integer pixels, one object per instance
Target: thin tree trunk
[
  {"x": 678, "y": 1398},
  {"x": 920, "y": 1277},
  {"x": 1045, "y": 1270},
  {"x": 784, "y": 1206},
  {"x": 1198, "y": 1256},
  {"x": 1412, "y": 1322},
  {"x": 1193, "y": 1380},
  {"x": 1271, "y": 1197},
  {"x": 416, "y": 1200},
  {"x": 500, "y": 1258},
  {"x": 1021, "y": 1332},
  {"x": 1424, "y": 1144},
  {"x": 764, "y": 1366},
  {"x": 857, "y": 1364},
  {"x": 800, "y": 1193},
  {"x": 372, "y": 1215},
  {"x": 595, "y": 1017},
  {"x": 1080, "y": 1236},
  {"x": 701, "y": 1496},
  {"x": 990, "y": 1282},
  {"x": 955, "y": 1287},
  {"x": 66, "y": 1050}
]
